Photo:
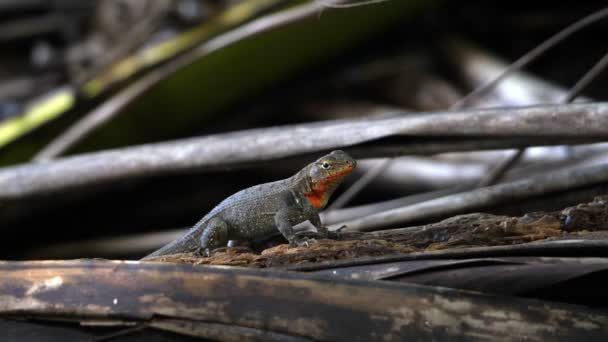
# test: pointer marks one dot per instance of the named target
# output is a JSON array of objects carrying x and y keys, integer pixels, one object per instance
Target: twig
[
  {"x": 100, "y": 115},
  {"x": 425, "y": 173},
  {"x": 354, "y": 189},
  {"x": 340, "y": 215},
  {"x": 499, "y": 171},
  {"x": 409, "y": 173},
  {"x": 478, "y": 67},
  {"x": 482, "y": 197},
  {"x": 121, "y": 333},
  {"x": 533, "y": 54},
  {"x": 429, "y": 147},
  {"x": 329, "y": 4},
  {"x": 515, "y": 66},
  {"x": 586, "y": 79}
]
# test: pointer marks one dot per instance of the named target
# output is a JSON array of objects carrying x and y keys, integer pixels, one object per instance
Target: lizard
[{"x": 261, "y": 210}]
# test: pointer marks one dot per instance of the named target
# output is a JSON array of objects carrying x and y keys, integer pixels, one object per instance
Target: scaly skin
[{"x": 257, "y": 212}]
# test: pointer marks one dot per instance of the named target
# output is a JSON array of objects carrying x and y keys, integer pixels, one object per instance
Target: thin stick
[
  {"x": 584, "y": 82},
  {"x": 532, "y": 55},
  {"x": 498, "y": 172},
  {"x": 484, "y": 88},
  {"x": 120, "y": 333},
  {"x": 482, "y": 197},
  {"x": 350, "y": 5},
  {"x": 501, "y": 170},
  {"x": 361, "y": 183},
  {"x": 329, "y": 217},
  {"x": 516, "y": 127}
]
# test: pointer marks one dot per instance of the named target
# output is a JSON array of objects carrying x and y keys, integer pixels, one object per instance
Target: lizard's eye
[{"x": 325, "y": 165}]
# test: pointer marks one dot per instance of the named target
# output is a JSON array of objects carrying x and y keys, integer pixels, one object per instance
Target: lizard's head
[{"x": 325, "y": 174}]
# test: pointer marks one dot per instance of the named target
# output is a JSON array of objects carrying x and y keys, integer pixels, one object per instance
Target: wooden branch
[
  {"x": 585, "y": 221},
  {"x": 575, "y": 121},
  {"x": 408, "y": 174},
  {"x": 479, "y": 67},
  {"x": 501, "y": 169},
  {"x": 336, "y": 216},
  {"x": 483, "y": 197},
  {"x": 575, "y": 231},
  {"x": 557, "y": 248},
  {"x": 230, "y": 304},
  {"x": 534, "y": 53}
]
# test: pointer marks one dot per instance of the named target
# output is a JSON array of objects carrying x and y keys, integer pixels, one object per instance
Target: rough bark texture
[
  {"x": 231, "y": 304},
  {"x": 463, "y": 231},
  {"x": 569, "y": 123}
]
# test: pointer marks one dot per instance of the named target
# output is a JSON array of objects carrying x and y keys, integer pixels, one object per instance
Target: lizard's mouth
[{"x": 335, "y": 178}]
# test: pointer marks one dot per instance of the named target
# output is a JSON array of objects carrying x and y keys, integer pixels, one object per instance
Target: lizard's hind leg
[{"x": 214, "y": 235}]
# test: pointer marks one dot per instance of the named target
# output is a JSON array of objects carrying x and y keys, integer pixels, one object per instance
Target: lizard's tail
[{"x": 183, "y": 244}]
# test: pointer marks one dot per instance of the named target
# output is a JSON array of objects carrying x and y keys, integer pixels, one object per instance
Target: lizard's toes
[
  {"x": 204, "y": 252},
  {"x": 302, "y": 242},
  {"x": 307, "y": 242}
]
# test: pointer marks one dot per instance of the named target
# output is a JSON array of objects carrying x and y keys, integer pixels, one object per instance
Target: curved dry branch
[
  {"x": 482, "y": 197},
  {"x": 540, "y": 124},
  {"x": 501, "y": 169}
]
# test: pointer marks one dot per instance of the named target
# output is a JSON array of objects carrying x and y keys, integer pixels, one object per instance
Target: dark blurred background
[{"x": 61, "y": 60}]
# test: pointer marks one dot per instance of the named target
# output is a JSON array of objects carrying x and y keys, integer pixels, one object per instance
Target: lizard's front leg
[
  {"x": 214, "y": 235},
  {"x": 283, "y": 223},
  {"x": 322, "y": 231}
]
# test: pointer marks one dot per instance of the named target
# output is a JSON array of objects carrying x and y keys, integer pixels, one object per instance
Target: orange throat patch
[
  {"x": 317, "y": 200},
  {"x": 322, "y": 190}
]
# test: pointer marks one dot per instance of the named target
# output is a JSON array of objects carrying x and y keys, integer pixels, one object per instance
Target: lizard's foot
[
  {"x": 203, "y": 252},
  {"x": 302, "y": 240},
  {"x": 305, "y": 242}
]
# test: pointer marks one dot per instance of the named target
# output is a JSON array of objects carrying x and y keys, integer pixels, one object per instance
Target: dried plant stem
[
  {"x": 509, "y": 127},
  {"x": 501, "y": 170},
  {"x": 483, "y": 89},
  {"x": 482, "y": 197}
]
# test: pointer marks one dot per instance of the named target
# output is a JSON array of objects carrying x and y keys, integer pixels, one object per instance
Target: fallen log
[{"x": 237, "y": 304}]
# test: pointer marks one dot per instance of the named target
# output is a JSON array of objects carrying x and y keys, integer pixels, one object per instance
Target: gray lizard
[{"x": 260, "y": 210}]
